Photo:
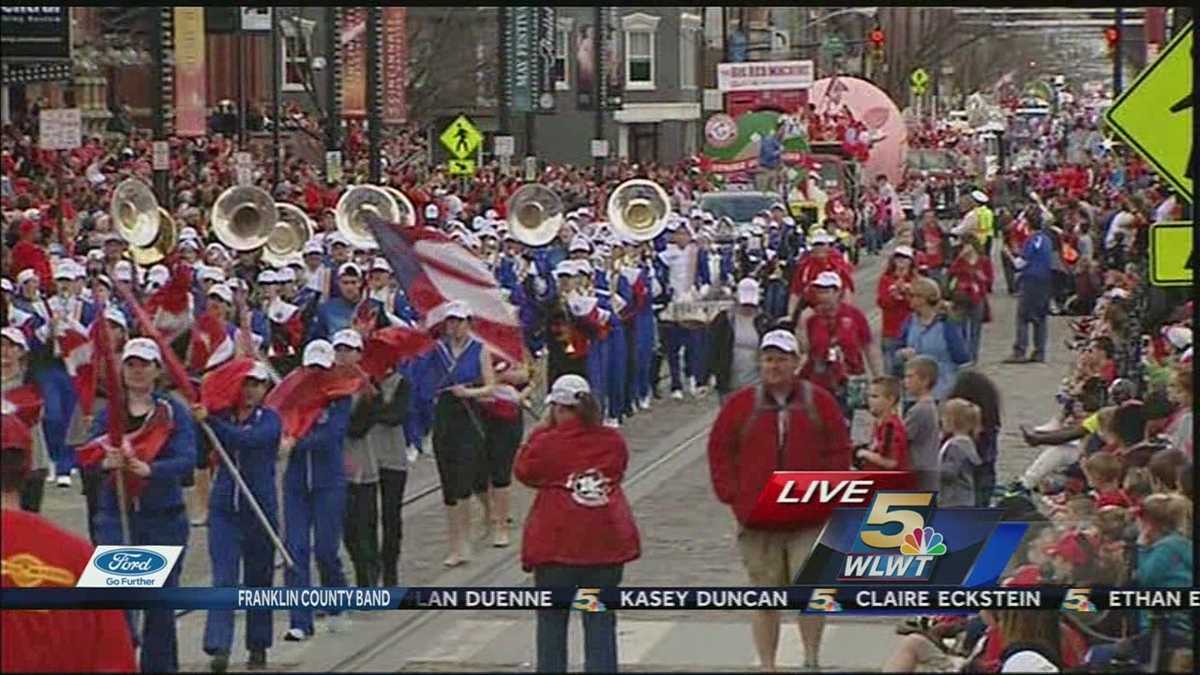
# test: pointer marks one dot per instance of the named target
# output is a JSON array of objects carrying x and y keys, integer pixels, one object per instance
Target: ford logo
[{"x": 130, "y": 562}]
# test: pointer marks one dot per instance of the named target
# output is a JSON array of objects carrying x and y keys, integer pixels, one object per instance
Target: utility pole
[
  {"x": 502, "y": 68},
  {"x": 240, "y": 41},
  {"x": 1118, "y": 17},
  {"x": 597, "y": 85},
  {"x": 276, "y": 86},
  {"x": 163, "y": 88},
  {"x": 374, "y": 97}
]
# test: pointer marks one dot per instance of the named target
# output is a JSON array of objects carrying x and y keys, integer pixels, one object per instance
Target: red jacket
[
  {"x": 27, "y": 255},
  {"x": 848, "y": 331},
  {"x": 743, "y": 447},
  {"x": 811, "y": 266},
  {"x": 893, "y": 303},
  {"x": 974, "y": 281},
  {"x": 580, "y": 515},
  {"x": 37, "y": 553}
]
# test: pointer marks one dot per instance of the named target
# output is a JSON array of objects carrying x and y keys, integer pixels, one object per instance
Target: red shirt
[
  {"x": 37, "y": 553},
  {"x": 893, "y": 303},
  {"x": 1113, "y": 498},
  {"x": 974, "y": 280},
  {"x": 811, "y": 266},
  {"x": 580, "y": 515},
  {"x": 846, "y": 330},
  {"x": 890, "y": 440},
  {"x": 744, "y": 446}
]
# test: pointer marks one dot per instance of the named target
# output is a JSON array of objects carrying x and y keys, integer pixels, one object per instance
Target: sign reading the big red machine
[{"x": 764, "y": 75}]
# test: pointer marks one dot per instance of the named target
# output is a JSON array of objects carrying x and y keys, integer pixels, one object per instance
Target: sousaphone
[
  {"x": 243, "y": 217},
  {"x": 535, "y": 214},
  {"x": 163, "y": 244},
  {"x": 288, "y": 236},
  {"x": 639, "y": 208},
  {"x": 135, "y": 213},
  {"x": 360, "y": 202},
  {"x": 408, "y": 212}
]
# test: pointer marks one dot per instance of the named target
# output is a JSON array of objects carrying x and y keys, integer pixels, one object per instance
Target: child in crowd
[
  {"x": 889, "y": 440},
  {"x": 1103, "y": 471},
  {"x": 958, "y": 457},
  {"x": 921, "y": 421}
]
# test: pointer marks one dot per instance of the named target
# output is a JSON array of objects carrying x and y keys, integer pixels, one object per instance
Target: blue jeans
[
  {"x": 1032, "y": 308},
  {"x": 599, "y": 628},
  {"x": 889, "y": 346},
  {"x": 973, "y": 329}
]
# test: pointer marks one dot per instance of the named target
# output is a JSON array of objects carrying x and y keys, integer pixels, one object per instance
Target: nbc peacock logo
[{"x": 923, "y": 541}]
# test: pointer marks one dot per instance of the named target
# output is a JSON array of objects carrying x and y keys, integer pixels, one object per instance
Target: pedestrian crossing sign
[
  {"x": 1154, "y": 115},
  {"x": 1172, "y": 257},
  {"x": 461, "y": 167},
  {"x": 461, "y": 138}
]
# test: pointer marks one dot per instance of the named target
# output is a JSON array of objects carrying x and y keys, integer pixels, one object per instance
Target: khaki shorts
[{"x": 774, "y": 558}]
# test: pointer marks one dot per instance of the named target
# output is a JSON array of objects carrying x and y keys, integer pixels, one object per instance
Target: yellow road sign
[
  {"x": 1154, "y": 115},
  {"x": 461, "y": 137},
  {"x": 461, "y": 167},
  {"x": 1172, "y": 258}
]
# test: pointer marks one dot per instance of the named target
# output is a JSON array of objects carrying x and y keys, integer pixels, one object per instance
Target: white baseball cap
[
  {"x": 567, "y": 389},
  {"x": 285, "y": 275},
  {"x": 431, "y": 211},
  {"x": 158, "y": 274},
  {"x": 747, "y": 292},
  {"x": 221, "y": 292},
  {"x": 141, "y": 348},
  {"x": 268, "y": 277},
  {"x": 348, "y": 337},
  {"x": 259, "y": 372},
  {"x": 349, "y": 268},
  {"x": 822, "y": 237},
  {"x": 381, "y": 265},
  {"x": 123, "y": 271},
  {"x": 579, "y": 243},
  {"x": 116, "y": 316},
  {"x": 980, "y": 196},
  {"x": 318, "y": 353},
  {"x": 6, "y": 285},
  {"x": 312, "y": 247},
  {"x": 458, "y": 310},
  {"x": 828, "y": 280},
  {"x": 14, "y": 335},
  {"x": 336, "y": 239},
  {"x": 782, "y": 340},
  {"x": 565, "y": 268},
  {"x": 904, "y": 251},
  {"x": 26, "y": 275},
  {"x": 208, "y": 273}
]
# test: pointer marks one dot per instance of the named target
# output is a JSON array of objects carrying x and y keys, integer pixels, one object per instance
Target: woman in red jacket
[
  {"x": 970, "y": 279},
  {"x": 892, "y": 298},
  {"x": 580, "y": 530}
]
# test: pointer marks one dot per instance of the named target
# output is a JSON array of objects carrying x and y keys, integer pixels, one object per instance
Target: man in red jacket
[
  {"x": 783, "y": 423},
  {"x": 37, "y": 554}
]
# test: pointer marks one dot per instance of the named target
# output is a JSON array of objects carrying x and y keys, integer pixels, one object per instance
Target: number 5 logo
[
  {"x": 588, "y": 600},
  {"x": 824, "y": 600},
  {"x": 888, "y": 508}
]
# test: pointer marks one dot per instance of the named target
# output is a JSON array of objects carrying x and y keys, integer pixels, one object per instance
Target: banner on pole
[
  {"x": 354, "y": 62},
  {"x": 395, "y": 64},
  {"x": 191, "y": 109}
]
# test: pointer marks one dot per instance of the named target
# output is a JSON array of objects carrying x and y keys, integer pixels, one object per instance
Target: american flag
[{"x": 435, "y": 271}]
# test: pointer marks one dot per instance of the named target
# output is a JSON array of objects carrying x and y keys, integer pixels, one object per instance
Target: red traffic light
[
  {"x": 1111, "y": 35},
  {"x": 876, "y": 37}
]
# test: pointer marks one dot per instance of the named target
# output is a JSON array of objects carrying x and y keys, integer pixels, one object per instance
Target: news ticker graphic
[
  {"x": 874, "y": 599},
  {"x": 793, "y": 498}
]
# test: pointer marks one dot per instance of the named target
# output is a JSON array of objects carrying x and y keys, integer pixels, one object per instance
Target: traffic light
[
  {"x": 877, "y": 39},
  {"x": 1112, "y": 35}
]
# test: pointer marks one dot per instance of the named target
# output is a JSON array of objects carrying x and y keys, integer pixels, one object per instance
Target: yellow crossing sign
[
  {"x": 1172, "y": 257},
  {"x": 461, "y": 137},
  {"x": 461, "y": 167},
  {"x": 1154, "y": 115}
]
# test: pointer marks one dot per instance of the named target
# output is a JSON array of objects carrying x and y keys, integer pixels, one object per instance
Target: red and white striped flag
[{"x": 435, "y": 271}]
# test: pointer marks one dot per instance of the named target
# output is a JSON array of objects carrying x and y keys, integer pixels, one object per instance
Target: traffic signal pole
[{"x": 1118, "y": 17}]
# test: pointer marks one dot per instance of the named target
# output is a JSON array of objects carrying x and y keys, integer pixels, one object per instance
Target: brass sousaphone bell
[
  {"x": 243, "y": 217},
  {"x": 639, "y": 209},
  {"x": 360, "y": 202},
  {"x": 134, "y": 211},
  {"x": 163, "y": 244},
  {"x": 535, "y": 214},
  {"x": 408, "y": 212},
  {"x": 288, "y": 236}
]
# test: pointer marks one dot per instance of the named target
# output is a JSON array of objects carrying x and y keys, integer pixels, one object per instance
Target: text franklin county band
[
  {"x": 316, "y": 598},
  {"x": 918, "y": 599}
]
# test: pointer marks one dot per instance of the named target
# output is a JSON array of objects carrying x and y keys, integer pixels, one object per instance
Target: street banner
[
  {"x": 764, "y": 75},
  {"x": 191, "y": 108},
  {"x": 35, "y": 33},
  {"x": 736, "y": 145},
  {"x": 60, "y": 129},
  {"x": 395, "y": 64},
  {"x": 354, "y": 62},
  {"x": 547, "y": 25},
  {"x": 521, "y": 47},
  {"x": 586, "y": 71}
]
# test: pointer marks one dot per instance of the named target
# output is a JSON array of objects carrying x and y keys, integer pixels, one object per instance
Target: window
[
  {"x": 295, "y": 46},
  {"x": 689, "y": 36},
  {"x": 562, "y": 59},
  {"x": 639, "y": 50}
]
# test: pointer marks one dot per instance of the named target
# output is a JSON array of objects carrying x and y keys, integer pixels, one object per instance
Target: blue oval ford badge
[{"x": 130, "y": 562}]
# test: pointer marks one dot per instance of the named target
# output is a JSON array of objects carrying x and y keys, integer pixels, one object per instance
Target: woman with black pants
[
  {"x": 503, "y": 427},
  {"x": 580, "y": 530}
]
